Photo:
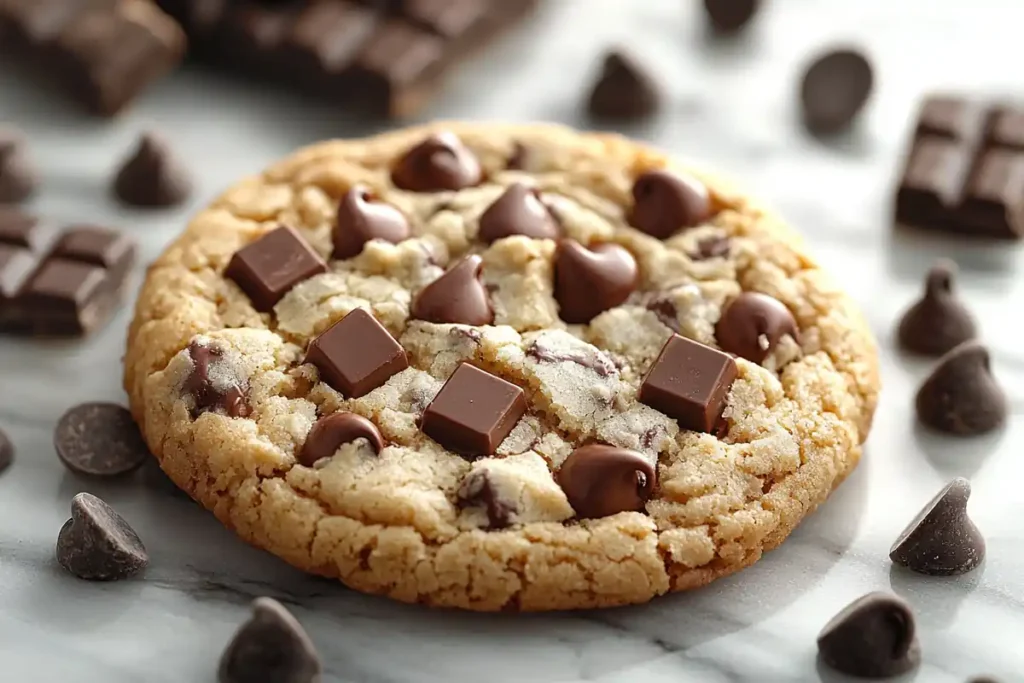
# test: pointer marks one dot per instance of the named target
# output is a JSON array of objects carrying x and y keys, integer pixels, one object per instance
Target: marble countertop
[{"x": 731, "y": 106}]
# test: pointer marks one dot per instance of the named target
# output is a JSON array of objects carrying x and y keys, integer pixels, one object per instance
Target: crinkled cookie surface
[{"x": 227, "y": 401}]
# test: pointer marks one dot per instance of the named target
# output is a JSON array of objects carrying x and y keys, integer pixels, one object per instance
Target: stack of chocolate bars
[{"x": 384, "y": 58}]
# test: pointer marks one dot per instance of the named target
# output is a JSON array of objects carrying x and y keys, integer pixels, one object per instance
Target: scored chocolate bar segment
[{"x": 965, "y": 169}]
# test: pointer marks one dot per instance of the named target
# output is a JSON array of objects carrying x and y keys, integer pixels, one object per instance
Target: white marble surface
[{"x": 731, "y": 107}]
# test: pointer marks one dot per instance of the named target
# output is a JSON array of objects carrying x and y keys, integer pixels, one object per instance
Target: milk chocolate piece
[
  {"x": 518, "y": 211},
  {"x": 440, "y": 162},
  {"x": 214, "y": 383},
  {"x": 267, "y": 268},
  {"x": 362, "y": 218},
  {"x": 356, "y": 354},
  {"x": 458, "y": 296},
  {"x": 331, "y": 431},
  {"x": 591, "y": 281},
  {"x": 601, "y": 480},
  {"x": 753, "y": 324},
  {"x": 664, "y": 202}
]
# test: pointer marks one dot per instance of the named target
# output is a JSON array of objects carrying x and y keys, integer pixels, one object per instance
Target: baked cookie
[{"x": 499, "y": 368}]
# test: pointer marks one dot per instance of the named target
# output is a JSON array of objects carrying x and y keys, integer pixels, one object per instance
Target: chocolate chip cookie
[{"x": 499, "y": 368}]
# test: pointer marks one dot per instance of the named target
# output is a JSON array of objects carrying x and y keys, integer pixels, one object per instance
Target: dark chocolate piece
[
  {"x": 518, "y": 211},
  {"x": 458, "y": 296},
  {"x": 961, "y": 396},
  {"x": 6, "y": 451},
  {"x": 939, "y": 320},
  {"x": 477, "y": 489},
  {"x": 591, "y": 281},
  {"x": 152, "y": 176},
  {"x": 941, "y": 540},
  {"x": 834, "y": 89},
  {"x": 361, "y": 218},
  {"x": 600, "y": 480},
  {"x": 690, "y": 383},
  {"x": 356, "y": 354},
  {"x": 99, "y": 440},
  {"x": 18, "y": 177},
  {"x": 331, "y": 431},
  {"x": 965, "y": 169},
  {"x": 624, "y": 90},
  {"x": 267, "y": 268},
  {"x": 473, "y": 412},
  {"x": 730, "y": 16},
  {"x": 214, "y": 384},
  {"x": 97, "y": 544},
  {"x": 753, "y": 324},
  {"x": 322, "y": 43},
  {"x": 664, "y": 202},
  {"x": 441, "y": 162},
  {"x": 270, "y": 646},
  {"x": 872, "y": 637},
  {"x": 20, "y": 229}
]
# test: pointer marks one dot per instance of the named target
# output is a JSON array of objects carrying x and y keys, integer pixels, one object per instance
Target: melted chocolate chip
[
  {"x": 666, "y": 311},
  {"x": 519, "y": 157},
  {"x": 752, "y": 325},
  {"x": 939, "y": 321},
  {"x": 597, "y": 362},
  {"x": 458, "y": 296},
  {"x": 518, "y": 211},
  {"x": 716, "y": 246},
  {"x": 331, "y": 431},
  {"x": 212, "y": 384},
  {"x": 873, "y": 637},
  {"x": 361, "y": 219},
  {"x": 961, "y": 396},
  {"x": 665, "y": 202},
  {"x": 478, "y": 489},
  {"x": 942, "y": 540},
  {"x": 590, "y": 281},
  {"x": 601, "y": 480},
  {"x": 441, "y": 162}
]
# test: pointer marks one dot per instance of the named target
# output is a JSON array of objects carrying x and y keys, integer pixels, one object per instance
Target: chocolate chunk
[
  {"x": 834, "y": 89},
  {"x": 690, "y": 383},
  {"x": 97, "y": 544},
  {"x": 439, "y": 163},
  {"x": 152, "y": 176},
  {"x": 271, "y": 647},
  {"x": 477, "y": 489},
  {"x": 6, "y": 451},
  {"x": 961, "y": 396},
  {"x": 473, "y": 412},
  {"x": 18, "y": 177},
  {"x": 214, "y": 384},
  {"x": 356, "y": 354},
  {"x": 361, "y": 218},
  {"x": 717, "y": 246},
  {"x": 624, "y": 90},
  {"x": 458, "y": 296},
  {"x": 267, "y": 268},
  {"x": 331, "y": 431},
  {"x": 99, "y": 440},
  {"x": 939, "y": 320},
  {"x": 397, "y": 68},
  {"x": 19, "y": 229},
  {"x": 665, "y": 202},
  {"x": 941, "y": 540},
  {"x": 518, "y": 211},
  {"x": 323, "y": 42},
  {"x": 600, "y": 480},
  {"x": 753, "y": 324},
  {"x": 730, "y": 16},
  {"x": 873, "y": 637},
  {"x": 590, "y": 281}
]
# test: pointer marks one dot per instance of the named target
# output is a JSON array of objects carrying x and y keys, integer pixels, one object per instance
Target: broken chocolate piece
[
  {"x": 97, "y": 544},
  {"x": 939, "y": 321},
  {"x": 331, "y": 431},
  {"x": 356, "y": 354},
  {"x": 872, "y": 637},
  {"x": 941, "y": 540},
  {"x": 961, "y": 396},
  {"x": 601, "y": 480}
]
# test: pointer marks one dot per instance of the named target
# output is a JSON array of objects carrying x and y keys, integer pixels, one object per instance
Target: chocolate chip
[
  {"x": 213, "y": 384},
  {"x": 518, "y": 211},
  {"x": 665, "y": 309},
  {"x": 601, "y": 480},
  {"x": 729, "y": 16},
  {"x": 690, "y": 383},
  {"x": 331, "y": 431},
  {"x": 590, "y": 281},
  {"x": 753, "y": 324},
  {"x": 99, "y": 440},
  {"x": 6, "y": 451},
  {"x": 441, "y": 162},
  {"x": 356, "y": 354},
  {"x": 873, "y": 637},
  {"x": 665, "y": 202},
  {"x": 592, "y": 360},
  {"x": 624, "y": 90},
  {"x": 473, "y": 412},
  {"x": 458, "y": 296},
  {"x": 717, "y": 246},
  {"x": 961, "y": 396},
  {"x": 97, "y": 544},
  {"x": 267, "y": 268},
  {"x": 153, "y": 175},
  {"x": 941, "y": 540},
  {"x": 834, "y": 88},
  {"x": 361, "y": 219},
  {"x": 477, "y": 489},
  {"x": 18, "y": 178},
  {"x": 519, "y": 157},
  {"x": 939, "y": 320},
  {"x": 270, "y": 647}
]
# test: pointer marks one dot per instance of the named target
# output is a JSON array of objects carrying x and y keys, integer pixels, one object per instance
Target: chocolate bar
[
  {"x": 59, "y": 284},
  {"x": 101, "y": 52},
  {"x": 965, "y": 170}
]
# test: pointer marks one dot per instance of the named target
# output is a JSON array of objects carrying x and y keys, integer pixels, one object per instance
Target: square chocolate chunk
[
  {"x": 272, "y": 265},
  {"x": 356, "y": 354},
  {"x": 690, "y": 383},
  {"x": 473, "y": 412},
  {"x": 108, "y": 249}
]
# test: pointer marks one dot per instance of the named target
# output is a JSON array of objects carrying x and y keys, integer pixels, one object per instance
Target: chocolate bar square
[
  {"x": 267, "y": 268},
  {"x": 356, "y": 354}
]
